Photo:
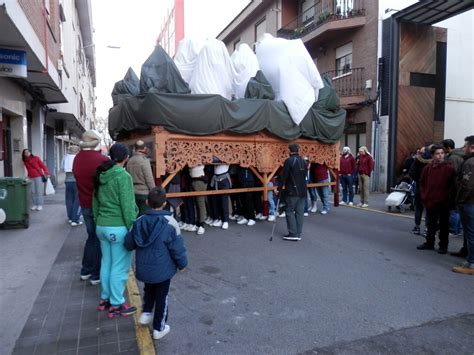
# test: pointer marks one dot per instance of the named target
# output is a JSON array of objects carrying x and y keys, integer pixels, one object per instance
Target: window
[
  {"x": 344, "y": 59},
  {"x": 307, "y": 10},
  {"x": 260, "y": 28}
]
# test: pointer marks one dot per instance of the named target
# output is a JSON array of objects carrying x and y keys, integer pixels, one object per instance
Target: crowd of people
[{"x": 444, "y": 188}]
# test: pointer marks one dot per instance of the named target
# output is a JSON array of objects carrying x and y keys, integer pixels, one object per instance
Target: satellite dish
[{"x": 3, "y": 216}]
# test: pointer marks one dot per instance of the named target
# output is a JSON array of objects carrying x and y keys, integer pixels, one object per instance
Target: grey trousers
[
  {"x": 294, "y": 212},
  {"x": 37, "y": 191}
]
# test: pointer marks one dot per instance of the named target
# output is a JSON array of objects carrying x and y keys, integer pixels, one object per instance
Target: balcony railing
[
  {"x": 348, "y": 84},
  {"x": 322, "y": 12}
]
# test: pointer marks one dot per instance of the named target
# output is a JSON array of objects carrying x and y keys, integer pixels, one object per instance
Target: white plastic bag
[{"x": 49, "y": 188}]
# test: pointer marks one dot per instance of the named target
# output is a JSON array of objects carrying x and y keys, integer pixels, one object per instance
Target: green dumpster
[{"x": 15, "y": 201}]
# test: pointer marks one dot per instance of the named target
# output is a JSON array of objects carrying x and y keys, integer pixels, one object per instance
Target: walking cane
[{"x": 276, "y": 215}]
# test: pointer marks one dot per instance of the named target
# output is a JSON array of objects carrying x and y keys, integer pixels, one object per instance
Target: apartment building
[
  {"x": 47, "y": 79},
  {"x": 341, "y": 37}
]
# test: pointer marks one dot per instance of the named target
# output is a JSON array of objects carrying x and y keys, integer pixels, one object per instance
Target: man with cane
[{"x": 293, "y": 178}]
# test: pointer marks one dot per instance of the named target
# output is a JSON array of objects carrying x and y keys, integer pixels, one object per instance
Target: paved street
[
  {"x": 354, "y": 284},
  {"x": 355, "y": 275}
]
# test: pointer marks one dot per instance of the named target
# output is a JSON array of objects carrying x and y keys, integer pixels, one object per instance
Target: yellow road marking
[{"x": 144, "y": 341}]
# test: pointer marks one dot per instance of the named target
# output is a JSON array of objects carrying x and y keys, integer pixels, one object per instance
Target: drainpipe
[{"x": 45, "y": 35}]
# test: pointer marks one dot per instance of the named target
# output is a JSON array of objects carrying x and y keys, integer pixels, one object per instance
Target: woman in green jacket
[{"x": 114, "y": 212}]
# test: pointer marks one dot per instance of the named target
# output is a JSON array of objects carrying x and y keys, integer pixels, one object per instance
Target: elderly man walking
[
  {"x": 84, "y": 169},
  {"x": 465, "y": 204},
  {"x": 294, "y": 180},
  {"x": 139, "y": 168}
]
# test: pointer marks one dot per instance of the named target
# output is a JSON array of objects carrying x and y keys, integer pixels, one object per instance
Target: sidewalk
[{"x": 64, "y": 319}]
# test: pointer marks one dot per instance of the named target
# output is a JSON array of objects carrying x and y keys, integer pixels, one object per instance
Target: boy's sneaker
[
  {"x": 75, "y": 224},
  {"x": 201, "y": 230},
  {"x": 94, "y": 281},
  {"x": 145, "y": 318},
  {"x": 103, "y": 305},
  {"x": 124, "y": 310},
  {"x": 217, "y": 223},
  {"x": 306, "y": 214},
  {"x": 225, "y": 225},
  {"x": 160, "y": 334},
  {"x": 271, "y": 218},
  {"x": 251, "y": 222},
  {"x": 85, "y": 277},
  {"x": 243, "y": 221}
]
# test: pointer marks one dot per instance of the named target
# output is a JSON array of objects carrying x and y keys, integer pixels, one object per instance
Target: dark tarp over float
[{"x": 209, "y": 114}]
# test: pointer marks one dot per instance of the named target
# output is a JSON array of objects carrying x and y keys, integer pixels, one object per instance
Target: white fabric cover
[
  {"x": 395, "y": 198},
  {"x": 186, "y": 56},
  {"x": 246, "y": 66},
  {"x": 213, "y": 73},
  {"x": 292, "y": 73}
]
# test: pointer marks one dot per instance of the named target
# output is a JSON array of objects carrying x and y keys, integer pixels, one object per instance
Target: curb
[{"x": 144, "y": 341}]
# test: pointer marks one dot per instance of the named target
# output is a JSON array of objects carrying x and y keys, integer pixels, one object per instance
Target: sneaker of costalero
[
  {"x": 251, "y": 222},
  {"x": 157, "y": 334},
  {"x": 225, "y": 225},
  {"x": 271, "y": 218},
  {"x": 351, "y": 203},
  {"x": 124, "y": 310},
  {"x": 201, "y": 230},
  {"x": 85, "y": 277},
  {"x": 103, "y": 305},
  {"x": 217, "y": 223},
  {"x": 260, "y": 217},
  {"x": 342, "y": 203},
  {"x": 94, "y": 282},
  {"x": 283, "y": 214},
  {"x": 75, "y": 224},
  {"x": 192, "y": 228},
  {"x": 243, "y": 221}
]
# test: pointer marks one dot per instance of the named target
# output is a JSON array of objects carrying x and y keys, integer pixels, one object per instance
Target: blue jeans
[
  {"x": 116, "y": 262},
  {"x": 92, "y": 253},
  {"x": 221, "y": 202},
  {"x": 72, "y": 202},
  {"x": 271, "y": 201},
  {"x": 323, "y": 192},
  {"x": 466, "y": 212},
  {"x": 347, "y": 189},
  {"x": 37, "y": 191},
  {"x": 294, "y": 210}
]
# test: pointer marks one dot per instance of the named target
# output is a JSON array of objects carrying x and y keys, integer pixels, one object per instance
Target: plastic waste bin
[{"x": 15, "y": 201}]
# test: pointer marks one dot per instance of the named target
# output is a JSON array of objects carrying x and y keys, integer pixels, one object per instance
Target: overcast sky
[{"x": 134, "y": 27}]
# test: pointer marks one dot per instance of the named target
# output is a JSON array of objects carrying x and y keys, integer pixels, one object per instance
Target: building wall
[
  {"x": 459, "y": 111},
  {"x": 34, "y": 12}
]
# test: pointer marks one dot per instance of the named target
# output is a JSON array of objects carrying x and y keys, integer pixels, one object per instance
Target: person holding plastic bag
[
  {"x": 38, "y": 174},
  {"x": 114, "y": 211}
]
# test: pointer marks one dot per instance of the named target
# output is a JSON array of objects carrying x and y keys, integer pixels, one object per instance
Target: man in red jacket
[
  {"x": 84, "y": 167},
  {"x": 436, "y": 184}
]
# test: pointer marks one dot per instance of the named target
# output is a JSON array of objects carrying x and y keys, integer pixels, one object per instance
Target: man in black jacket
[{"x": 294, "y": 174}]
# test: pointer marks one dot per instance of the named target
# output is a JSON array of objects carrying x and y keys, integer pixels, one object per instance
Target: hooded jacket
[
  {"x": 159, "y": 246},
  {"x": 114, "y": 203}
]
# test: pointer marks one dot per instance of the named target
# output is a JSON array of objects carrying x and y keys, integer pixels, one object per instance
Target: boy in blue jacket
[{"x": 160, "y": 252}]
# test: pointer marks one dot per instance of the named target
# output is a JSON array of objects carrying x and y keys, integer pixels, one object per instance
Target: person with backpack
[{"x": 294, "y": 180}]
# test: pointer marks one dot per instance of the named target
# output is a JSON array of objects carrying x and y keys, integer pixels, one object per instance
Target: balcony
[
  {"x": 349, "y": 86},
  {"x": 325, "y": 15}
]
